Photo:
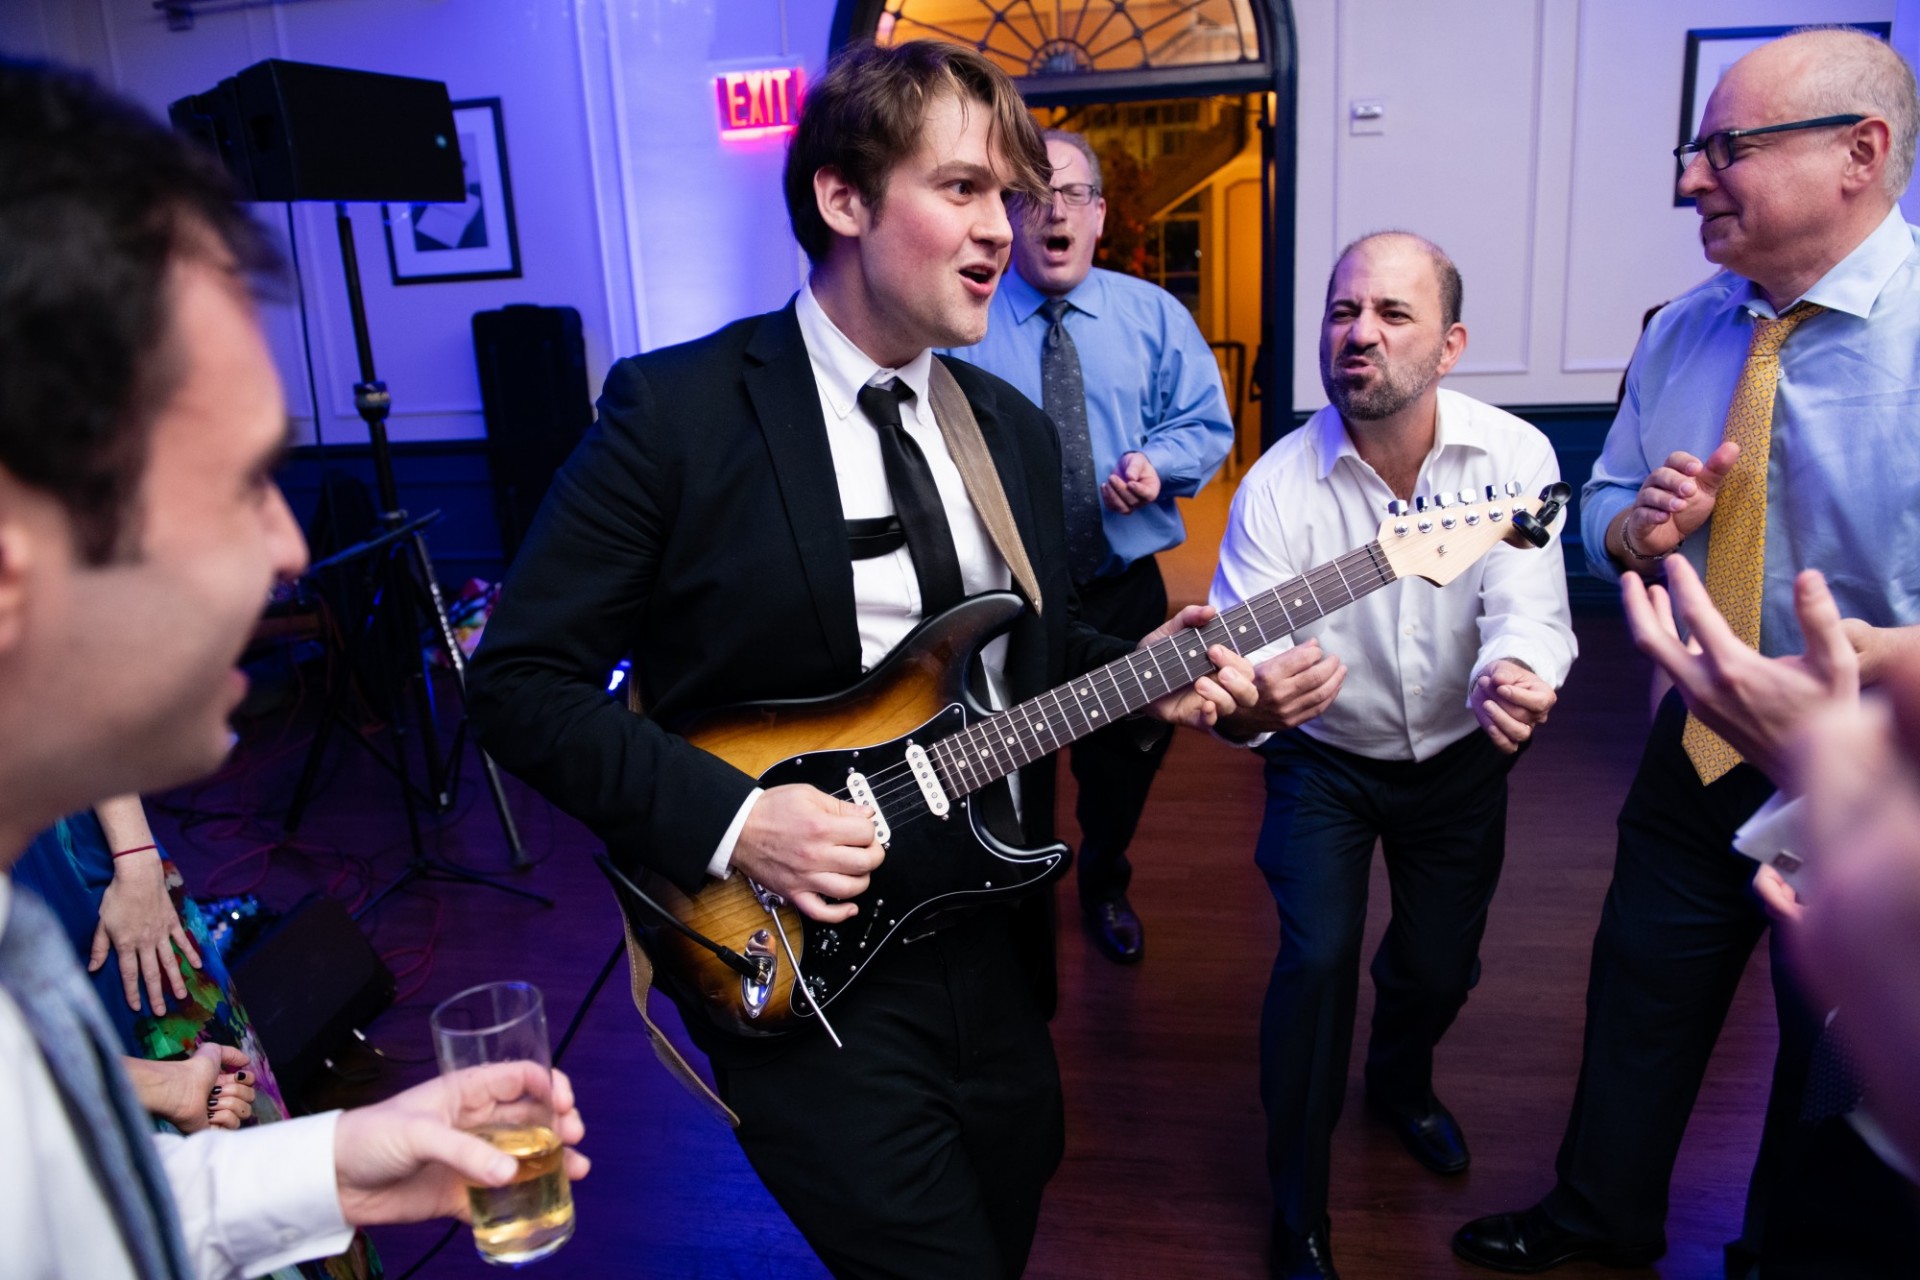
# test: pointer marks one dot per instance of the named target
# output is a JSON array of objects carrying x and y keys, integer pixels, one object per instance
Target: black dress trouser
[
  {"x": 1113, "y": 770},
  {"x": 921, "y": 1148},
  {"x": 1678, "y": 925},
  {"x": 1441, "y": 823}
]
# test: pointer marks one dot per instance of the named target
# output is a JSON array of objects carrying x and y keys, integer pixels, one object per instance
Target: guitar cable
[{"x": 753, "y": 968}]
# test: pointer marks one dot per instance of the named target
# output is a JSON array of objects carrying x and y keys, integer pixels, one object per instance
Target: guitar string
[
  {"x": 896, "y": 781},
  {"x": 1372, "y": 567},
  {"x": 888, "y": 784}
]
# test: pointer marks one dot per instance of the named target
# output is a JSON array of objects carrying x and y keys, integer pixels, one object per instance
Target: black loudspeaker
[
  {"x": 533, "y": 388},
  {"x": 306, "y": 983},
  {"x": 297, "y": 131}
]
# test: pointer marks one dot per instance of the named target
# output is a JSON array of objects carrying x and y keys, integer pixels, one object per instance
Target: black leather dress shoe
[
  {"x": 1301, "y": 1257},
  {"x": 1529, "y": 1241},
  {"x": 1433, "y": 1137},
  {"x": 1116, "y": 930}
]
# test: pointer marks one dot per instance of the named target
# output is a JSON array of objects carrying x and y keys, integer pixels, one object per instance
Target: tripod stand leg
[
  {"x": 310, "y": 770},
  {"x": 450, "y": 643}
]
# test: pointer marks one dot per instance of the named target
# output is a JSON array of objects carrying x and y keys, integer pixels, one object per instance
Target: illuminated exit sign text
[{"x": 755, "y": 104}]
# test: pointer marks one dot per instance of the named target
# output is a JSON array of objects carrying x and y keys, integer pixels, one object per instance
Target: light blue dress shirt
[
  {"x": 1843, "y": 473},
  {"x": 1152, "y": 386}
]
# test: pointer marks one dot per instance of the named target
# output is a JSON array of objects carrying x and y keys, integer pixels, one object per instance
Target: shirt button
[{"x": 1415, "y": 691}]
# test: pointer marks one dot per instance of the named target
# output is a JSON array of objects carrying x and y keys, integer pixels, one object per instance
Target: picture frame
[
  {"x": 476, "y": 240},
  {"x": 1710, "y": 51}
]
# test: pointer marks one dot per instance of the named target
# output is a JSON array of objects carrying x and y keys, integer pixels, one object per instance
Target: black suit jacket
[{"x": 698, "y": 528}]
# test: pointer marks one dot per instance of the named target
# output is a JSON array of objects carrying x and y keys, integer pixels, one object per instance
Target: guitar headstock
[{"x": 1436, "y": 538}]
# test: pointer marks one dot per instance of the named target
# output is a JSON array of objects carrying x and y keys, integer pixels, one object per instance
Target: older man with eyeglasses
[
  {"x": 1768, "y": 427},
  {"x": 1123, "y": 371}
]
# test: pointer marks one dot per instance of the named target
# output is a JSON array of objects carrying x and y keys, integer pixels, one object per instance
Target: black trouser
[
  {"x": 921, "y": 1148},
  {"x": 1678, "y": 926},
  {"x": 1113, "y": 769},
  {"x": 1442, "y": 825}
]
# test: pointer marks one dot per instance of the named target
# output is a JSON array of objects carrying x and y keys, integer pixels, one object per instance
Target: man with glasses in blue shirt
[
  {"x": 1133, "y": 388},
  {"x": 1769, "y": 426}
]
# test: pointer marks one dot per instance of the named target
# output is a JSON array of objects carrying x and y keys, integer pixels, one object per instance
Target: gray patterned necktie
[
  {"x": 38, "y": 969},
  {"x": 1064, "y": 396}
]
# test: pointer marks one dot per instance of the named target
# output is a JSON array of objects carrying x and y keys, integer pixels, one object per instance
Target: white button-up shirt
[
  {"x": 1412, "y": 650},
  {"x": 249, "y": 1202}
]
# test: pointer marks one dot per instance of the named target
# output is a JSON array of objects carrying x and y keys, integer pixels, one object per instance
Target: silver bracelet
[{"x": 1626, "y": 544}]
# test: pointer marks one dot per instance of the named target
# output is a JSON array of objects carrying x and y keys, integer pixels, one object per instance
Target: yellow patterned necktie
[{"x": 1737, "y": 553}]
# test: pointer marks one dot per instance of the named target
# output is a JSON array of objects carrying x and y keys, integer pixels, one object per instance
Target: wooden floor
[{"x": 1164, "y": 1176}]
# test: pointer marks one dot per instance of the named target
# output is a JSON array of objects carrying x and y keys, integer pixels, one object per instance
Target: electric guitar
[{"x": 911, "y": 743}]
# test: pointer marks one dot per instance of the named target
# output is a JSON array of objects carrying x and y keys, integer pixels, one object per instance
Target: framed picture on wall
[
  {"x": 472, "y": 240},
  {"x": 1710, "y": 51}
]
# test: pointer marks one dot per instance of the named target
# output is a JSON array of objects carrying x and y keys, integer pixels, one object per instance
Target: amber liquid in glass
[{"x": 531, "y": 1216}]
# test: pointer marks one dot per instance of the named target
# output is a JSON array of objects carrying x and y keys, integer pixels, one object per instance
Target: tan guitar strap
[
  {"x": 969, "y": 450},
  {"x": 640, "y": 966}
]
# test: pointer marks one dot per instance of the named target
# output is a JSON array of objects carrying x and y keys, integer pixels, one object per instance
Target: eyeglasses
[
  {"x": 1718, "y": 147},
  {"x": 1078, "y": 194}
]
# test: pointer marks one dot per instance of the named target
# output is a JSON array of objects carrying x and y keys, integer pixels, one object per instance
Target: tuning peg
[
  {"x": 1493, "y": 493},
  {"x": 1531, "y": 529},
  {"x": 1558, "y": 492},
  {"x": 1443, "y": 499},
  {"x": 1513, "y": 488},
  {"x": 1420, "y": 503},
  {"x": 1466, "y": 497},
  {"x": 1399, "y": 507}
]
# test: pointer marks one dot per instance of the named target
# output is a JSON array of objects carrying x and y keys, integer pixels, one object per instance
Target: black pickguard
[{"x": 933, "y": 864}]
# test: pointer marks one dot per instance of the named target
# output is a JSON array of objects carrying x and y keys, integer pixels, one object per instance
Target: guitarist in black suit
[{"x": 765, "y": 513}]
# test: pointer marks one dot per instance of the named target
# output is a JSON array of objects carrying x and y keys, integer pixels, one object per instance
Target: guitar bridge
[
  {"x": 861, "y": 792},
  {"x": 930, "y": 789}
]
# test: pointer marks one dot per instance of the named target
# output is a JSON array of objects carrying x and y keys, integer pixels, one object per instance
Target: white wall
[
  {"x": 629, "y": 206},
  {"x": 1531, "y": 139}
]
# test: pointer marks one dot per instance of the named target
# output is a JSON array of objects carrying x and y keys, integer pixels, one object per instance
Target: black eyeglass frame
[
  {"x": 1093, "y": 193},
  {"x": 1686, "y": 151}
]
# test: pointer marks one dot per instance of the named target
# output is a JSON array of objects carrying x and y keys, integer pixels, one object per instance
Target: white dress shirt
[
  {"x": 249, "y": 1202},
  {"x": 886, "y": 594},
  {"x": 1412, "y": 650}
]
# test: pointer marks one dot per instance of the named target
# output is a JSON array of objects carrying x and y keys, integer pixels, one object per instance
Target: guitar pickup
[
  {"x": 862, "y": 793},
  {"x": 923, "y": 774}
]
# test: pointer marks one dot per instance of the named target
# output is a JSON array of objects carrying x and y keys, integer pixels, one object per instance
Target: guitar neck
[{"x": 990, "y": 749}]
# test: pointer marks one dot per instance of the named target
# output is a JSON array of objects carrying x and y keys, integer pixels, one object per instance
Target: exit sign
[{"x": 756, "y": 104}]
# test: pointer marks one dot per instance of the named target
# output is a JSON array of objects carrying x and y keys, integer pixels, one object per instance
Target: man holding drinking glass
[{"x": 140, "y": 420}]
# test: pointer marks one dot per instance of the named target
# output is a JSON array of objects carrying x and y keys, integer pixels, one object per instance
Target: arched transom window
[{"x": 1059, "y": 38}]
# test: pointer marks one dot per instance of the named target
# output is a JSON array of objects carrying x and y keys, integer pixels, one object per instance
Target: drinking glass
[{"x": 504, "y": 1022}]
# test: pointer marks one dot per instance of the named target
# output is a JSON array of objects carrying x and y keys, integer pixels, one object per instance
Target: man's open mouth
[
  {"x": 979, "y": 275},
  {"x": 1057, "y": 244}
]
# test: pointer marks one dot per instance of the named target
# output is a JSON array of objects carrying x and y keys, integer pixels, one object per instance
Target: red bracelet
[{"x": 139, "y": 848}]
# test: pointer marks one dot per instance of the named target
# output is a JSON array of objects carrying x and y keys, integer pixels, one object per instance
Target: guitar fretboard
[{"x": 991, "y": 749}]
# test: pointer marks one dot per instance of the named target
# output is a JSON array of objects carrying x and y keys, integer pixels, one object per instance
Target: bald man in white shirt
[{"x": 1398, "y": 722}]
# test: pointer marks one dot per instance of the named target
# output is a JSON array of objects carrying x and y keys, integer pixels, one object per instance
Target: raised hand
[
  {"x": 1755, "y": 703},
  {"x": 1673, "y": 502}
]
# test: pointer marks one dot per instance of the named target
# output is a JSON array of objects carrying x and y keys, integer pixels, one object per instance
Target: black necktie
[
  {"x": 916, "y": 499},
  {"x": 1064, "y": 396}
]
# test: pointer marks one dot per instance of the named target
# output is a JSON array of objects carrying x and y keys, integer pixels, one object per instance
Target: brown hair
[
  {"x": 1452, "y": 294},
  {"x": 98, "y": 202},
  {"x": 866, "y": 113}
]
